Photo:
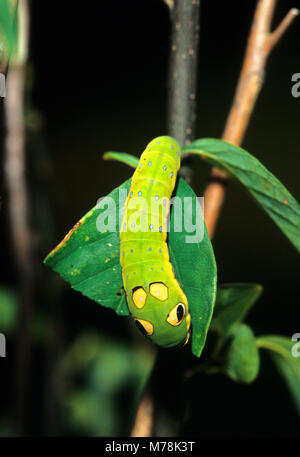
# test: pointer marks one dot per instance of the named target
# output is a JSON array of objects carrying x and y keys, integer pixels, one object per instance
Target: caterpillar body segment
[{"x": 154, "y": 296}]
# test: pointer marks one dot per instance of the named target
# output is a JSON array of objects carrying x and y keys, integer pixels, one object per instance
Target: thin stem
[
  {"x": 183, "y": 76},
  {"x": 14, "y": 169},
  {"x": 144, "y": 417},
  {"x": 260, "y": 43}
]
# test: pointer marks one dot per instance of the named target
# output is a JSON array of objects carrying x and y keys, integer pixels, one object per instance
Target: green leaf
[
  {"x": 195, "y": 268},
  {"x": 8, "y": 310},
  {"x": 242, "y": 358},
  {"x": 233, "y": 302},
  {"x": 8, "y": 27},
  {"x": 286, "y": 356},
  {"x": 89, "y": 261},
  {"x": 123, "y": 157},
  {"x": 262, "y": 185}
]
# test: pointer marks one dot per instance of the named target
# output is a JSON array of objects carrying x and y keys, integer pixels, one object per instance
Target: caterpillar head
[{"x": 161, "y": 313}]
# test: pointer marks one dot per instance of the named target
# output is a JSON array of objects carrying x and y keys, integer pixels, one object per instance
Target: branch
[
  {"x": 144, "y": 417},
  {"x": 260, "y": 44},
  {"x": 275, "y": 36},
  {"x": 183, "y": 76},
  {"x": 14, "y": 170}
]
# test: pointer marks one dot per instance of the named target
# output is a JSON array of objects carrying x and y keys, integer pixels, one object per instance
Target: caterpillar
[{"x": 154, "y": 296}]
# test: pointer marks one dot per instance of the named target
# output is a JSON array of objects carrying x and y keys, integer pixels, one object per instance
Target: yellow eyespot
[
  {"x": 176, "y": 314},
  {"x": 159, "y": 290},
  {"x": 144, "y": 326},
  {"x": 139, "y": 297}
]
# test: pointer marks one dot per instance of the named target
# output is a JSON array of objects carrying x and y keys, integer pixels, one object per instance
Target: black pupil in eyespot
[
  {"x": 141, "y": 328},
  {"x": 180, "y": 312}
]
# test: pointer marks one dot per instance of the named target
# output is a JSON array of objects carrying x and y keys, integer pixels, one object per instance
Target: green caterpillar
[{"x": 154, "y": 296}]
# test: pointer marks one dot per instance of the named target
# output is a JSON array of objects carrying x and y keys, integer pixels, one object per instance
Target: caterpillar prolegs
[{"x": 154, "y": 296}]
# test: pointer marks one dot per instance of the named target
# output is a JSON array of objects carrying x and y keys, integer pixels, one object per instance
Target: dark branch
[{"x": 183, "y": 75}]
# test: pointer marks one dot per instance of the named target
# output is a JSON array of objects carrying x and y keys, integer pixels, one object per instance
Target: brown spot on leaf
[{"x": 67, "y": 237}]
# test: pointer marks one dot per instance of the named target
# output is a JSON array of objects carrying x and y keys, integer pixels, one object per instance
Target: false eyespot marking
[
  {"x": 139, "y": 297},
  {"x": 159, "y": 291},
  {"x": 145, "y": 327},
  {"x": 176, "y": 315}
]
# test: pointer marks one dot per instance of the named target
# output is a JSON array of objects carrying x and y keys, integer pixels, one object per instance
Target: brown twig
[
  {"x": 275, "y": 36},
  {"x": 260, "y": 44},
  {"x": 144, "y": 416}
]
